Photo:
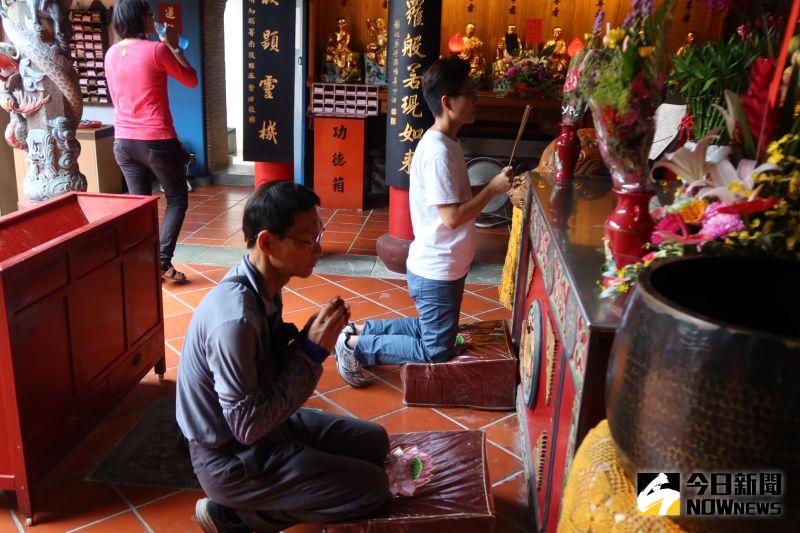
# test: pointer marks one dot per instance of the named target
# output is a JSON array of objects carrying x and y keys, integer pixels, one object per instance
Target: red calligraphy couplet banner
[
  {"x": 339, "y": 162},
  {"x": 533, "y": 31},
  {"x": 171, "y": 14}
]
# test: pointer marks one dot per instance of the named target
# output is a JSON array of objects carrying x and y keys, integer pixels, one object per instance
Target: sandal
[{"x": 174, "y": 275}]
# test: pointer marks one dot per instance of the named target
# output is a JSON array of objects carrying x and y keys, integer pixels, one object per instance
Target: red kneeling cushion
[
  {"x": 458, "y": 498},
  {"x": 484, "y": 376}
]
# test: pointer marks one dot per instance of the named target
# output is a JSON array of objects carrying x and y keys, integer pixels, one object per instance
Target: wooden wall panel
[{"x": 491, "y": 18}]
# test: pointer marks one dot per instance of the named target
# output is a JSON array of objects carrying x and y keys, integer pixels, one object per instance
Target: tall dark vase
[{"x": 705, "y": 376}]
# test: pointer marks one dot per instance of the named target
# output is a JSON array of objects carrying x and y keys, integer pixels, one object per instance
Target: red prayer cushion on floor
[
  {"x": 457, "y": 499},
  {"x": 484, "y": 376}
]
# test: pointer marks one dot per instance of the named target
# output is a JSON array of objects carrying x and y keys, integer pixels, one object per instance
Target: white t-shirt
[{"x": 439, "y": 177}]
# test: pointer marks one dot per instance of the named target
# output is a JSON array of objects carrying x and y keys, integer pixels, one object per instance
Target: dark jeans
[
  {"x": 165, "y": 160},
  {"x": 428, "y": 338},
  {"x": 323, "y": 468}
]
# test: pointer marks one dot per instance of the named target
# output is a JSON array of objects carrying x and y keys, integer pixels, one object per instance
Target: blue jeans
[{"x": 429, "y": 338}]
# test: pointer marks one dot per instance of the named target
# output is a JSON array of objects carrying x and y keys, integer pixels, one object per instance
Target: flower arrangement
[
  {"x": 532, "y": 75},
  {"x": 752, "y": 208},
  {"x": 408, "y": 469},
  {"x": 623, "y": 81},
  {"x": 574, "y": 103}
]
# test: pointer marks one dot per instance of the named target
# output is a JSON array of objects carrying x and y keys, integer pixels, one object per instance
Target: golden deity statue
[
  {"x": 557, "y": 42},
  {"x": 685, "y": 47},
  {"x": 500, "y": 83},
  {"x": 376, "y": 51},
  {"x": 472, "y": 52},
  {"x": 500, "y": 67},
  {"x": 559, "y": 60},
  {"x": 339, "y": 57},
  {"x": 512, "y": 45}
]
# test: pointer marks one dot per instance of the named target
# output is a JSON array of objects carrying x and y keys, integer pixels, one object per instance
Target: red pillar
[
  {"x": 392, "y": 247},
  {"x": 269, "y": 172},
  {"x": 399, "y": 214}
]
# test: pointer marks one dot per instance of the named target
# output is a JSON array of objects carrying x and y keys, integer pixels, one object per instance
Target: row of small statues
[
  {"x": 342, "y": 65},
  {"x": 509, "y": 47}
]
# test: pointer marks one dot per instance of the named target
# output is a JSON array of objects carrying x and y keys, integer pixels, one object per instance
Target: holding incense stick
[{"x": 522, "y": 125}]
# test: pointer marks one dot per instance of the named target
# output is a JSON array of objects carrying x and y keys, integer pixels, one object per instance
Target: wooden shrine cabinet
[
  {"x": 81, "y": 323},
  {"x": 563, "y": 332}
]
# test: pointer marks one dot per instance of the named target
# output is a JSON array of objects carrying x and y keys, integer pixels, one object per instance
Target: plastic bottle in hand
[{"x": 161, "y": 30}]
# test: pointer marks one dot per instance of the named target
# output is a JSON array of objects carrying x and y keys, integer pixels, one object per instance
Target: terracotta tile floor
[
  {"x": 67, "y": 502},
  {"x": 215, "y": 212}
]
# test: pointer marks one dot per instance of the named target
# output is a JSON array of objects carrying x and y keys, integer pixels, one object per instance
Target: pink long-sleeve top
[{"x": 137, "y": 82}]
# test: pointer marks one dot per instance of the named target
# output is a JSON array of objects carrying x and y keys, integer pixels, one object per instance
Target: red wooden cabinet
[
  {"x": 563, "y": 332},
  {"x": 80, "y": 324}
]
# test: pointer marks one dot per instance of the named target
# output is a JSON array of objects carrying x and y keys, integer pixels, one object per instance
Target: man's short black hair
[
  {"x": 443, "y": 77},
  {"x": 129, "y": 18},
  {"x": 273, "y": 206}
]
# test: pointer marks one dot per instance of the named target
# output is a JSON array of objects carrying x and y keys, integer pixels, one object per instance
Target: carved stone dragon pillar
[{"x": 39, "y": 88}]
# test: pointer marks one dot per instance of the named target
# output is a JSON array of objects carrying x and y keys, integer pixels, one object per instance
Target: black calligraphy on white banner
[{"x": 269, "y": 70}]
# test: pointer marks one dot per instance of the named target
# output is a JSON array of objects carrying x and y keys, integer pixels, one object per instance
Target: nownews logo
[
  {"x": 713, "y": 494},
  {"x": 659, "y": 494}
]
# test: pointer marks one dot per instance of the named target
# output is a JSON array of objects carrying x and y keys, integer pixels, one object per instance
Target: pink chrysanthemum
[
  {"x": 711, "y": 211},
  {"x": 721, "y": 225}
]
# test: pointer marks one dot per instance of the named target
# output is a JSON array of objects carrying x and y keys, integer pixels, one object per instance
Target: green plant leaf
[
  {"x": 707, "y": 85},
  {"x": 749, "y": 146}
]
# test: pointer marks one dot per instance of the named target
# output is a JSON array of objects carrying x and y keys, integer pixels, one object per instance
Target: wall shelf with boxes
[
  {"x": 344, "y": 100},
  {"x": 88, "y": 48}
]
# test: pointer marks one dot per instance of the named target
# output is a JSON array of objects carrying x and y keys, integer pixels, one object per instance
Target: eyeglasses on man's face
[
  {"x": 472, "y": 94},
  {"x": 314, "y": 242}
]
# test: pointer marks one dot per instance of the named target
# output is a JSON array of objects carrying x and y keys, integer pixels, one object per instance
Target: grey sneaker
[{"x": 349, "y": 368}]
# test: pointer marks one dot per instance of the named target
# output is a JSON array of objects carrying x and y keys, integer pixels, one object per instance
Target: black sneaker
[{"x": 211, "y": 517}]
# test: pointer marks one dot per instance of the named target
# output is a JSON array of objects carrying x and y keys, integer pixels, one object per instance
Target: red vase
[
  {"x": 568, "y": 148},
  {"x": 629, "y": 226}
]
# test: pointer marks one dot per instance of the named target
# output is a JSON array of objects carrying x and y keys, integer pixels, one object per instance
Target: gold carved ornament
[
  {"x": 539, "y": 457},
  {"x": 551, "y": 348}
]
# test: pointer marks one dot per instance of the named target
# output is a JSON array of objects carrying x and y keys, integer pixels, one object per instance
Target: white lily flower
[
  {"x": 689, "y": 161},
  {"x": 723, "y": 175}
]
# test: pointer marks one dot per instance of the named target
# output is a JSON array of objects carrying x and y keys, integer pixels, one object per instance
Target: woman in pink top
[{"x": 146, "y": 144}]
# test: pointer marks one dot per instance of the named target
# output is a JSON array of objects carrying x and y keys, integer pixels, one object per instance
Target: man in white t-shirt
[{"x": 443, "y": 211}]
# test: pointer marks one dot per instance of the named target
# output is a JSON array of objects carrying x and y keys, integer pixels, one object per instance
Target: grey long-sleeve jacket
[{"x": 242, "y": 373}]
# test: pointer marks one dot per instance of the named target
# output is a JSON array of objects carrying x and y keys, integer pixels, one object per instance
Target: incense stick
[{"x": 519, "y": 133}]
